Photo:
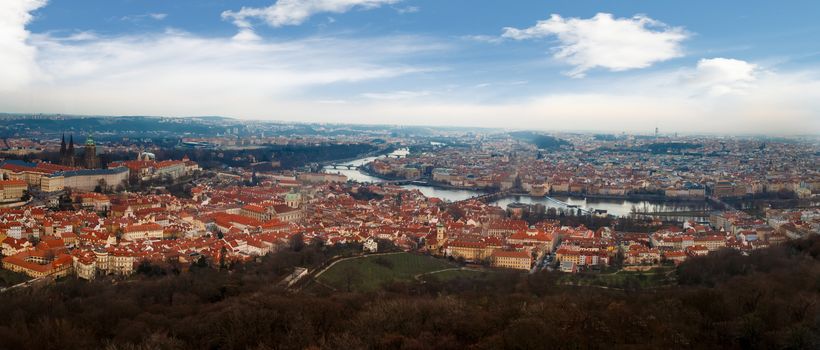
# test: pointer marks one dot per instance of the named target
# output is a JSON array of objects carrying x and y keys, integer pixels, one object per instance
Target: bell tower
[
  {"x": 90, "y": 156},
  {"x": 440, "y": 232}
]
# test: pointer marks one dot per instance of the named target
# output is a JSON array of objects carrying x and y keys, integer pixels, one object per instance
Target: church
[{"x": 90, "y": 160}]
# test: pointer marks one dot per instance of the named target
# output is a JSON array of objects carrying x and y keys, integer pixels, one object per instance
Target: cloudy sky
[{"x": 743, "y": 66}]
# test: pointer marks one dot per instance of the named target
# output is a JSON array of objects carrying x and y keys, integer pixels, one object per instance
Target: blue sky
[{"x": 687, "y": 66}]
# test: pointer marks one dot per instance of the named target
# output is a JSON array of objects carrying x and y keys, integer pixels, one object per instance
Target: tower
[
  {"x": 62, "y": 148},
  {"x": 440, "y": 234},
  {"x": 293, "y": 199},
  {"x": 90, "y": 156},
  {"x": 67, "y": 158}
]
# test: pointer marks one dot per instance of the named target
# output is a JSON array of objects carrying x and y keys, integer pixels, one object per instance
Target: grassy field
[
  {"x": 9, "y": 278},
  {"x": 371, "y": 272},
  {"x": 455, "y": 274}
]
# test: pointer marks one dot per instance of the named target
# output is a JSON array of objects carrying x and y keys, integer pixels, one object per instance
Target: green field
[
  {"x": 371, "y": 272},
  {"x": 456, "y": 274}
]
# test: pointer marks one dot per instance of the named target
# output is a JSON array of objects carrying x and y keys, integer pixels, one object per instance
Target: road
[{"x": 26, "y": 283}]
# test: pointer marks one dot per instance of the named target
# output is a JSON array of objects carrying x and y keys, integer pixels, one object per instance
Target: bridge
[
  {"x": 720, "y": 203},
  {"x": 493, "y": 196},
  {"x": 348, "y": 166},
  {"x": 404, "y": 182},
  {"x": 683, "y": 213},
  {"x": 487, "y": 197},
  {"x": 569, "y": 206}
]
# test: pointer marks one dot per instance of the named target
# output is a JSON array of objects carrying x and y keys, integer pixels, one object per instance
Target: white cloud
[
  {"x": 616, "y": 44},
  {"x": 178, "y": 73},
  {"x": 138, "y": 18},
  {"x": 323, "y": 79},
  {"x": 17, "y": 56},
  {"x": 724, "y": 75},
  {"x": 408, "y": 9},
  {"x": 483, "y": 38},
  {"x": 776, "y": 104},
  {"x": 395, "y": 95},
  {"x": 295, "y": 12},
  {"x": 81, "y": 36}
]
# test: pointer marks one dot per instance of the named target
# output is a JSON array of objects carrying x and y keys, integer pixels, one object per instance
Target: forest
[
  {"x": 288, "y": 156},
  {"x": 767, "y": 299},
  {"x": 541, "y": 141}
]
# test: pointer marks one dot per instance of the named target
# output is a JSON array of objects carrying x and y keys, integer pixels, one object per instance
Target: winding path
[{"x": 418, "y": 277}]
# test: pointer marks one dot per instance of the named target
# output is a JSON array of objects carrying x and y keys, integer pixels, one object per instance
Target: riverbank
[
  {"x": 376, "y": 153},
  {"x": 365, "y": 169},
  {"x": 614, "y": 205}
]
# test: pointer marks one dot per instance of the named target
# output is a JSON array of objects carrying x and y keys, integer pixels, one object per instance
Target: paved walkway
[{"x": 418, "y": 277}]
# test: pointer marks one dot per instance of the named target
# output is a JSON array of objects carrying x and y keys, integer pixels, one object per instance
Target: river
[
  {"x": 617, "y": 207},
  {"x": 358, "y": 176}
]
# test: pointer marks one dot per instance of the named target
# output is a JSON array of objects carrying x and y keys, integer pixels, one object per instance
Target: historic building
[
  {"x": 511, "y": 259},
  {"x": 92, "y": 161},
  {"x": 67, "y": 154}
]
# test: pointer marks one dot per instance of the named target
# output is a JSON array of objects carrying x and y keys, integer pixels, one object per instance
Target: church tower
[
  {"x": 62, "y": 147},
  {"x": 90, "y": 156},
  {"x": 440, "y": 234},
  {"x": 67, "y": 155}
]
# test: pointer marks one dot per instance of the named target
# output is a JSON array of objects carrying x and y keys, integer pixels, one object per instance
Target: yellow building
[
  {"x": 512, "y": 259},
  {"x": 36, "y": 264},
  {"x": 12, "y": 190},
  {"x": 52, "y": 183},
  {"x": 469, "y": 250}
]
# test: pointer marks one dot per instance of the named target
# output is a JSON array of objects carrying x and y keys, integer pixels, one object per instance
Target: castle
[{"x": 90, "y": 159}]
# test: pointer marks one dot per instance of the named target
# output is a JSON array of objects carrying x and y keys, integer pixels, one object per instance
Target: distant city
[{"x": 132, "y": 193}]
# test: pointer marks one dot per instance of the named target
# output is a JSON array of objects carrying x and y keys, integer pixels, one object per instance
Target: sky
[{"x": 726, "y": 67}]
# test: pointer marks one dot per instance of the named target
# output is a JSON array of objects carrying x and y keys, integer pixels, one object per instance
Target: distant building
[
  {"x": 91, "y": 160},
  {"x": 39, "y": 263},
  {"x": 85, "y": 179},
  {"x": 293, "y": 199},
  {"x": 67, "y": 154},
  {"x": 370, "y": 245},
  {"x": 12, "y": 190},
  {"x": 320, "y": 178},
  {"x": 511, "y": 259},
  {"x": 146, "y": 167}
]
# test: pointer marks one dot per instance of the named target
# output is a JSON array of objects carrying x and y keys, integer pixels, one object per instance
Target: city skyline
[{"x": 692, "y": 67}]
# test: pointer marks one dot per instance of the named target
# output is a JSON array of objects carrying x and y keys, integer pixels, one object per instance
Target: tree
[
  {"x": 202, "y": 262},
  {"x": 352, "y": 276},
  {"x": 317, "y": 243},
  {"x": 102, "y": 186},
  {"x": 222, "y": 253},
  {"x": 297, "y": 242}
]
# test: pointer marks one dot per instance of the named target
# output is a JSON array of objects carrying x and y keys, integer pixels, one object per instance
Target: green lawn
[
  {"x": 10, "y": 278},
  {"x": 371, "y": 272},
  {"x": 455, "y": 274}
]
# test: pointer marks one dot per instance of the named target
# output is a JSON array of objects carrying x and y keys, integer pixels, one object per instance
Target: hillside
[
  {"x": 766, "y": 300},
  {"x": 541, "y": 141}
]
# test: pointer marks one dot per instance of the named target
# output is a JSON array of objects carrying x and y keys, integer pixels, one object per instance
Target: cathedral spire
[{"x": 62, "y": 147}]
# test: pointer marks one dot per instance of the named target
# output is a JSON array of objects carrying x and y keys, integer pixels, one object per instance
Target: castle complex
[{"x": 90, "y": 160}]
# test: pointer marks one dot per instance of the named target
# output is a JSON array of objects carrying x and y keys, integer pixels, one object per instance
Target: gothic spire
[{"x": 62, "y": 147}]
